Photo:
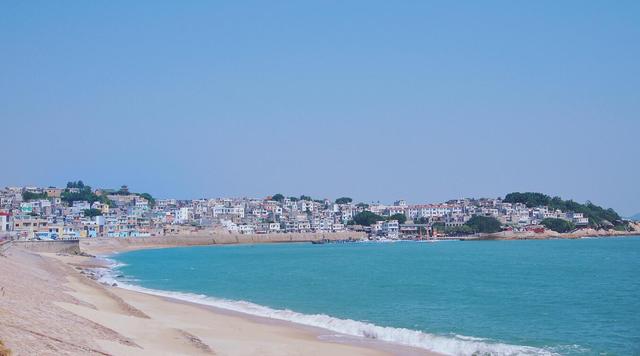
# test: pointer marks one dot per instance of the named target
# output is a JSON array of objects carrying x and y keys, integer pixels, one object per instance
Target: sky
[{"x": 376, "y": 100}]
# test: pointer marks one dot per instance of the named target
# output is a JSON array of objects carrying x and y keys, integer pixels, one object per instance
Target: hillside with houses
[{"x": 80, "y": 211}]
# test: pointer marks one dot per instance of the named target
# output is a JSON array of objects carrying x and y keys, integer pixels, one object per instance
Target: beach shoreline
[
  {"x": 320, "y": 333},
  {"x": 51, "y": 303},
  {"x": 106, "y": 246},
  {"x": 95, "y": 245},
  {"x": 78, "y": 315},
  {"x": 109, "y": 245}
]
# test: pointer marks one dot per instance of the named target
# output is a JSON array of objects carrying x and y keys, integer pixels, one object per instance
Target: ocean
[{"x": 549, "y": 297}]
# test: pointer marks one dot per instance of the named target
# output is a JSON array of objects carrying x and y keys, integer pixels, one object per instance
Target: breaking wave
[{"x": 449, "y": 345}]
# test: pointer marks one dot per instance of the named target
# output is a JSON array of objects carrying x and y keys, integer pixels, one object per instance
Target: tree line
[{"x": 598, "y": 216}]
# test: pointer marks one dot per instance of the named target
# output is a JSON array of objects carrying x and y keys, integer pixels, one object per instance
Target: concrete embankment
[
  {"x": 108, "y": 245},
  {"x": 57, "y": 246},
  {"x": 4, "y": 245}
]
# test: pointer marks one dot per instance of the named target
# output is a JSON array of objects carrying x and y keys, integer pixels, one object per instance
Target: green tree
[
  {"x": 344, "y": 200},
  {"x": 149, "y": 198},
  {"x": 530, "y": 199},
  {"x": 485, "y": 224},
  {"x": 598, "y": 216},
  {"x": 79, "y": 184},
  {"x": 558, "y": 225},
  {"x": 400, "y": 217},
  {"x": 92, "y": 212},
  {"x": 438, "y": 226},
  {"x": 367, "y": 218},
  {"x": 83, "y": 192},
  {"x": 104, "y": 200},
  {"x": 305, "y": 197},
  {"x": 278, "y": 197},
  {"x": 624, "y": 226},
  {"x": 26, "y": 196},
  {"x": 458, "y": 230}
]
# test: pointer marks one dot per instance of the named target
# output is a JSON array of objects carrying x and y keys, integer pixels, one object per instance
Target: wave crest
[{"x": 453, "y": 345}]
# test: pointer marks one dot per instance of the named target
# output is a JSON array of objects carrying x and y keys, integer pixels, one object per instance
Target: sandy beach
[
  {"x": 48, "y": 306},
  {"x": 105, "y": 246}
]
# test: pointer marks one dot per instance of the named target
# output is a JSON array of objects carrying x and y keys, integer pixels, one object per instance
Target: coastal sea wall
[
  {"x": 57, "y": 246},
  {"x": 4, "y": 246},
  {"x": 106, "y": 245}
]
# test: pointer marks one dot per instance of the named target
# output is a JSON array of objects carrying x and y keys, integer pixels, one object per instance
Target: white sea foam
[{"x": 449, "y": 345}]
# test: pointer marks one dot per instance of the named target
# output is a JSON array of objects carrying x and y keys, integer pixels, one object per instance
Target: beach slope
[{"x": 48, "y": 306}]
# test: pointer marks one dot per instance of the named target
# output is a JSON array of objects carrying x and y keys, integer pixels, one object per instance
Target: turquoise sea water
[{"x": 577, "y": 297}]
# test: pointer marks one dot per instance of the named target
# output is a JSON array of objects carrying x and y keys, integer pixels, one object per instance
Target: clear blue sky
[{"x": 377, "y": 100}]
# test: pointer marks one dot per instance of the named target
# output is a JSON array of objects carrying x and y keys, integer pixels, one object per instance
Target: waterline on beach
[
  {"x": 448, "y": 345},
  {"x": 494, "y": 297}
]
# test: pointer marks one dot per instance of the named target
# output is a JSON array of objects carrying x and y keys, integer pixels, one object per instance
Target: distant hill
[{"x": 599, "y": 217}]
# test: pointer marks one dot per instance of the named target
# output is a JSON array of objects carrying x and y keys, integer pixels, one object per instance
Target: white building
[
  {"x": 390, "y": 228},
  {"x": 578, "y": 219},
  {"x": 393, "y": 210},
  {"x": 223, "y": 210},
  {"x": 230, "y": 225},
  {"x": 431, "y": 211},
  {"x": 245, "y": 229},
  {"x": 400, "y": 203},
  {"x": 183, "y": 215},
  {"x": 4, "y": 221}
]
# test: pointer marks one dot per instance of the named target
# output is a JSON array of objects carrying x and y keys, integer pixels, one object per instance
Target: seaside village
[{"x": 78, "y": 211}]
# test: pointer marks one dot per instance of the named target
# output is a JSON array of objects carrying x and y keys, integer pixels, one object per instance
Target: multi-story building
[
  {"x": 4, "y": 221},
  {"x": 130, "y": 215},
  {"x": 390, "y": 228}
]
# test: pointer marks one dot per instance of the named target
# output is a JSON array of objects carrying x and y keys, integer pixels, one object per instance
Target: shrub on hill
[
  {"x": 598, "y": 216},
  {"x": 484, "y": 224},
  {"x": 92, "y": 212},
  {"x": 453, "y": 230},
  {"x": 458, "y": 230},
  {"x": 558, "y": 225},
  {"x": 79, "y": 184},
  {"x": 400, "y": 217},
  {"x": 82, "y": 192},
  {"x": 149, "y": 198},
  {"x": 344, "y": 200},
  {"x": 530, "y": 199},
  {"x": 26, "y": 196},
  {"x": 367, "y": 218}
]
